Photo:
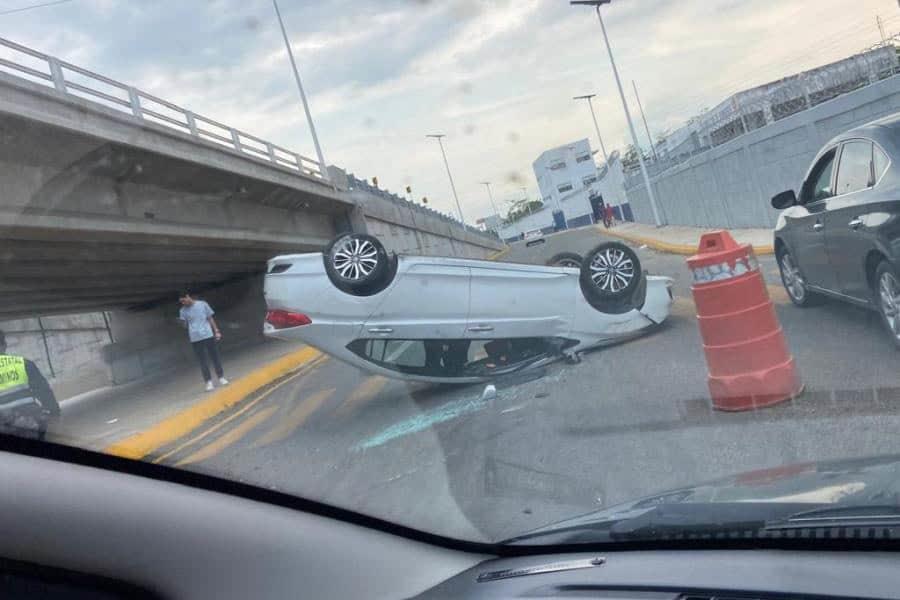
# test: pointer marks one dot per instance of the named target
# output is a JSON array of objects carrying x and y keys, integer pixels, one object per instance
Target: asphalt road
[{"x": 630, "y": 420}]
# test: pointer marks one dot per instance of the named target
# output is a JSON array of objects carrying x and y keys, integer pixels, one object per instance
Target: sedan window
[
  {"x": 818, "y": 185},
  {"x": 855, "y": 170},
  {"x": 452, "y": 358}
]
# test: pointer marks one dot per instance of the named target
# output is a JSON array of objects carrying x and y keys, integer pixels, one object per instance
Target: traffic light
[
  {"x": 425, "y": 199},
  {"x": 409, "y": 187},
  {"x": 375, "y": 181}
]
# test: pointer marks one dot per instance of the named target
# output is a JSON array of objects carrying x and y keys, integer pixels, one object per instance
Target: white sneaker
[
  {"x": 209, "y": 386},
  {"x": 223, "y": 381}
]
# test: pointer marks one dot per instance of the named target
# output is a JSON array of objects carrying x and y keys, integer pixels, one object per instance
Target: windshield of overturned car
[{"x": 502, "y": 271}]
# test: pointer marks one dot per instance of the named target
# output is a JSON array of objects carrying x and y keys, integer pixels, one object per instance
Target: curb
[
  {"x": 168, "y": 430},
  {"x": 669, "y": 247}
]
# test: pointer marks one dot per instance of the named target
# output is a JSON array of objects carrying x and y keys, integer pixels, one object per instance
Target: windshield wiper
[
  {"x": 669, "y": 522},
  {"x": 840, "y": 516}
]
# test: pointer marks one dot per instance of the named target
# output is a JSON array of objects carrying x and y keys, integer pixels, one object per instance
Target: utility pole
[
  {"x": 644, "y": 119},
  {"x": 487, "y": 184},
  {"x": 438, "y": 137},
  {"x": 596, "y": 4},
  {"x": 589, "y": 98},
  {"x": 312, "y": 128},
  {"x": 881, "y": 29}
]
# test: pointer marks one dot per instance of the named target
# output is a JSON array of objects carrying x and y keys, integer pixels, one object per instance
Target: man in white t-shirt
[{"x": 204, "y": 335}]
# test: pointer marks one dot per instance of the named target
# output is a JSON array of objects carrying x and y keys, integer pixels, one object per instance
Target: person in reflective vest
[{"x": 26, "y": 400}]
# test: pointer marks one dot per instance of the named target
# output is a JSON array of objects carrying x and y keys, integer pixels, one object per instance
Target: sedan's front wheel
[
  {"x": 887, "y": 296},
  {"x": 611, "y": 278},
  {"x": 794, "y": 282}
]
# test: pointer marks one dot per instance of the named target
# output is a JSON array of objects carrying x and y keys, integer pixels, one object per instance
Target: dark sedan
[{"x": 840, "y": 237}]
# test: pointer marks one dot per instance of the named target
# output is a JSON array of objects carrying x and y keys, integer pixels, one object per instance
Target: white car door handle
[
  {"x": 855, "y": 223},
  {"x": 818, "y": 227},
  {"x": 380, "y": 330},
  {"x": 479, "y": 328}
]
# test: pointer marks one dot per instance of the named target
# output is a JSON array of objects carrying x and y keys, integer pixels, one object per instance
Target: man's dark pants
[{"x": 204, "y": 348}]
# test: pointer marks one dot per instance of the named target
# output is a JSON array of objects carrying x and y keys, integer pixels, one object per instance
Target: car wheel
[
  {"x": 565, "y": 259},
  {"x": 794, "y": 282},
  {"x": 358, "y": 264},
  {"x": 610, "y": 278},
  {"x": 887, "y": 296}
]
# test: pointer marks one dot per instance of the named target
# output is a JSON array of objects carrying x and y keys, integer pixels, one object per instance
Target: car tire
[
  {"x": 357, "y": 263},
  {"x": 794, "y": 282},
  {"x": 886, "y": 278},
  {"x": 566, "y": 259},
  {"x": 611, "y": 278}
]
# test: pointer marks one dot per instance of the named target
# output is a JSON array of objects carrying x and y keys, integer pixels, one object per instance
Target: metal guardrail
[{"x": 72, "y": 80}]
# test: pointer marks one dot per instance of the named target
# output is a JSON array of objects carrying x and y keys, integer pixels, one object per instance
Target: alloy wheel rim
[
  {"x": 612, "y": 270},
  {"x": 355, "y": 259},
  {"x": 889, "y": 293},
  {"x": 793, "y": 280}
]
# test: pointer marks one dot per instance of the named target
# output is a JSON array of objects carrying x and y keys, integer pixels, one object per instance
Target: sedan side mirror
[{"x": 784, "y": 200}]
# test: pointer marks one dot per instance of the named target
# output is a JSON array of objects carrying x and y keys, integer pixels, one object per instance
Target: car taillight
[{"x": 282, "y": 319}]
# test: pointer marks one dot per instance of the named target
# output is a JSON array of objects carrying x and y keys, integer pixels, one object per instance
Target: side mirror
[{"x": 784, "y": 200}]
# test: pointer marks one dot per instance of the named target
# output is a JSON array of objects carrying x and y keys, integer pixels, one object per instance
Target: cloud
[{"x": 497, "y": 76}]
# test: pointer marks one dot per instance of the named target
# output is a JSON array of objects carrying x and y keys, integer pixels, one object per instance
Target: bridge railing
[{"x": 75, "y": 81}]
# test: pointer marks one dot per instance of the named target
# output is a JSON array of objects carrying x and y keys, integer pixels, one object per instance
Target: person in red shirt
[{"x": 609, "y": 217}]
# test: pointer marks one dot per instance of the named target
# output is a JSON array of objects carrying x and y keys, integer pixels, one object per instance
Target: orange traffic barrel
[{"x": 750, "y": 365}]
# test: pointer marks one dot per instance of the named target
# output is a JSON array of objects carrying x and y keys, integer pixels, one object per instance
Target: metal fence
[
  {"x": 72, "y": 80},
  {"x": 731, "y": 185},
  {"x": 763, "y": 105}
]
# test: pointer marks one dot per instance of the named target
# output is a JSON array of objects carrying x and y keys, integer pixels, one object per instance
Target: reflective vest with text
[{"x": 13, "y": 378}]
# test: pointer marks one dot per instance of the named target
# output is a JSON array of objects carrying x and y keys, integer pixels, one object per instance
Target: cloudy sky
[{"x": 497, "y": 76}]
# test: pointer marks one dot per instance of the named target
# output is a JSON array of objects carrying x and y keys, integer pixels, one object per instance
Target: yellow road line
[
  {"x": 499, "y": 255},
  {"x": 685, "y": 249},
  {"x": 300, "y": 372},
  {"x": 233, "y": 435},
  {"x": 364, "y": 391},
  {"x": 295, "y": 419},
  {"x": 181, "y": 424},
  {"x": 778, "y": 294}
]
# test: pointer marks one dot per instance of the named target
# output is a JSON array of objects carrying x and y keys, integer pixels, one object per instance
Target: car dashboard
[
  {"x": 679, "y": 575},
  {"x": 77, "y": 524}
]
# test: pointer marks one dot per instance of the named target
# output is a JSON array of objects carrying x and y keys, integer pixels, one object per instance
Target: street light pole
[
  {"x": 596, "y": 4},
  {"x": 438, "y": 137},
  {"x": 312, "y": 128},
  {"x": 589, "y": 98},
  {"x": 644, "y": 119},
  {"x": 487, "y": 184}
]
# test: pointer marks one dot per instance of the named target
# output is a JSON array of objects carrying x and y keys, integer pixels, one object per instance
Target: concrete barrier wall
[
  {"x": 410, "y": 228},
  {"x": 731, "y": 185},
  {"x": 67, "y": 349}
]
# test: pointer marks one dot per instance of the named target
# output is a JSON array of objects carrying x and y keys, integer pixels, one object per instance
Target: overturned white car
[{"x": 449, "y": 320}]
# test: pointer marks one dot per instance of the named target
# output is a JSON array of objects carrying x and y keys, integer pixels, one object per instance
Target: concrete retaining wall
[
  {"x": 731, "y": 185},
  {"x": 409, "y": 228},
  {"x": 68, "y": 349}
]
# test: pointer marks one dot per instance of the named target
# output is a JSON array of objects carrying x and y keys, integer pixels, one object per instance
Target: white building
[
  {"x": 566, "y": 171},
  {"x": 572, "y": 183}
]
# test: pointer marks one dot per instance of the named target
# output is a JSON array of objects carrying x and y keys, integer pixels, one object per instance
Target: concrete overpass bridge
[{"x": 112, "y": 199}]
